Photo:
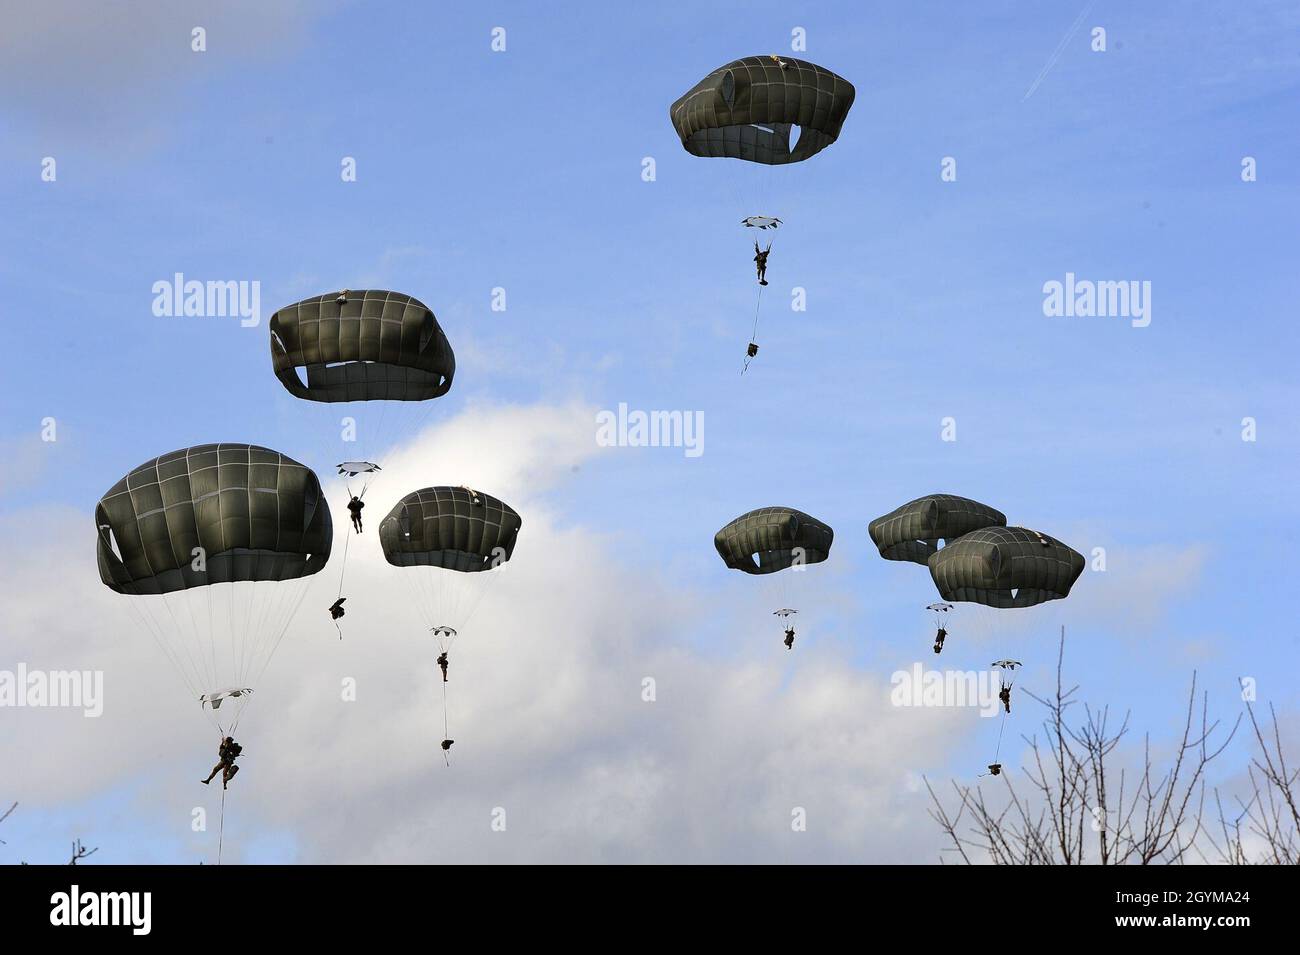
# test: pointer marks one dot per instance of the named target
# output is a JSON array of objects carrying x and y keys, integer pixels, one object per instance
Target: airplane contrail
[{"x": 1060, "y": 48}]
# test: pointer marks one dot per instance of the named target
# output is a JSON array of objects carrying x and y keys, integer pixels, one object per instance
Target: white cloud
[
  {"x": 1140, "y": 584},
  {"x": 545, "y": 699},
  {"x": 25, "y": 461}
]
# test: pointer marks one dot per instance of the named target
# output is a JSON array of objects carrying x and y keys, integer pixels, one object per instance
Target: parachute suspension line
[
  {"x": 177, "y": 638},
  {"x": 282, "y": 625},
  {"x": 180, "y": 635},
  {"x": 448, "y": 598},
  {"x": 155, "y": 633},
  {"x": 263, "y": 598},
  {"x": 261, "y": 602},
  {"x": 209, "y": 640},
  {"x": 197, "y": 681},
  {"x": 478, "y": 588},
  {"x": 383, "y": 425},
  {"x": 230, "y": 623},
  {"x": 270, "y": 597},
  {"x": 780, "y": 589},
  {"x": 197, "y": 632},
  {"x": 239, "y": 634}
]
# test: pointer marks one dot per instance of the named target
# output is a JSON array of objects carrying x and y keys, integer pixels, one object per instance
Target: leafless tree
[
  {"x": 1078, "y": 810},
  {"x": 78, "y": 850},
  {"x": 1265, "y": 826}
]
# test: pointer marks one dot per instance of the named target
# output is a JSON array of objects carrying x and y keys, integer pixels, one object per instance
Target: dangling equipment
[{"x": 753, "y": 338}]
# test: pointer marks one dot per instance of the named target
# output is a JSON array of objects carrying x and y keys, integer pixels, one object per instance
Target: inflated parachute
[
  {"x": 1005, "y": 567},
  {"x": 383, "y": 350},
  {"x": 1007, "y": 581},
  {"x": 771, "y": 539},
  {"x": 447, "y": 539},
  {"x": 370, "y": 345},
  {"x": 766, "y": 541},
  {"x": 746, "y": 109},
  {"x": 214, "y": 544},
  {"x": 913, "y": 531},
  {"x": 450, "y": 528},
  {"x": 767, "y": 113}
]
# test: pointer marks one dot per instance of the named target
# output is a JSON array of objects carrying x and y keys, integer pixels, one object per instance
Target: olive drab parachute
[
  {"x": 765, "y": 113},
  {"x": 448, "y": 537},
  {"x": 450, "y": 543},
  {"x": 747, "y": 108},
  {"x": 370, "y": 345},
  {"x": 365, "y": 366},
  {"x": 977, "y": 562},
  {"x": 256, "y": 514},
  {"x": 1007, "y": 583},
  {"x": 769, "y": 540},
  {"x": 214, "y": 545},
  {"x": 914, "y": 531},
  {"x": 1005, "y": 567},
  {"x": 451, "y": 528},
  {"x": 997, "y": 580}
]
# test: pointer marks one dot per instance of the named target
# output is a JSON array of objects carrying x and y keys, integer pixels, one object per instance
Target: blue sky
[{"x": 522, "y": 170}]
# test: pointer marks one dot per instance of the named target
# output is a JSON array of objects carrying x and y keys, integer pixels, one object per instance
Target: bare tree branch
[
  {"x": 1074, "y": 815},
  {"x": 80, "y": 852},
  {"x": 6, "y": 816}
]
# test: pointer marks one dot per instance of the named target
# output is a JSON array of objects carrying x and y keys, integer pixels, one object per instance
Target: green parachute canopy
[
  {"x": 452, "y": 528},
  {"x": 370, "y": 345},
  {"x": 746, "y": 109},
  {"x": 913, "y": 531},
  {"x": 1005, "y": 567},
  {"x": 257, "y": 515},
  {"x": 771, "y": 539},
  {"x": 214, "y": 547}
]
